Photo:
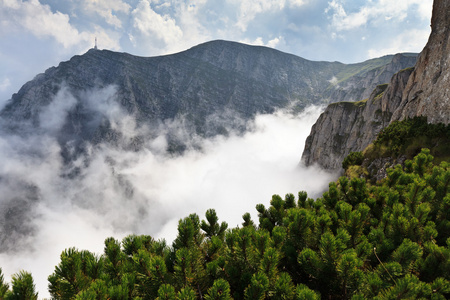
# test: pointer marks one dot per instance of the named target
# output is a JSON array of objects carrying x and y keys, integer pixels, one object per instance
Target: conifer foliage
[{"x": 389, "y": 240}]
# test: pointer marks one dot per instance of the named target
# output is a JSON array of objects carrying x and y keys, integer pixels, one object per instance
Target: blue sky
[{"x": 38, "y": 34}]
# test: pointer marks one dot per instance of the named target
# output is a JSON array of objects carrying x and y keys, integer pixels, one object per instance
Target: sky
[{"x": 38, "y": 34}]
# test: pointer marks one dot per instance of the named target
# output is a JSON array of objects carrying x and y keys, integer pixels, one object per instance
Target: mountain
[
  {"x": 419, "y": 91},
  {"x": 212, "y": 88}
]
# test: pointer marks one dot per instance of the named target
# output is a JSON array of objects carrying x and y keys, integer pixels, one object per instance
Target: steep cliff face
[
  {"x": 351, "y": 126},
  {"x": 428, "y": 90},
  {"x": 420, "y": 91},
  {"x": 329, "y": 133}
]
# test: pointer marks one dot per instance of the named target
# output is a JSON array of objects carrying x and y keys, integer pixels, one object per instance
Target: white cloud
[
  {"x": 259, "y": 42},
  {"x": 256, "y": 42},
  {"x": 342, "y": 21},
  {"x": 154, "y": 25},
  {"x": 168, "y": 27},
  {"x": 14, "y": 4},
  {"x": 297, "y": 2},
  {"x": 107, "y": 9},
  {"x": 105, "y": 39},
  {"x": 4, "y": 84},
  {"x": 18, "y": 17},
  {"x": 333, "y": 80},
  {"x": 248, "y": 10},
  {"x": 374, "y": 11},
  {"x": 191, "y": 19},
  {"x": 52, "y": 116},
  {"x": 144, "y": 192},
  {"x": 424, "y": 9},
  {"x": 274, "y": 42},
  {"x": 409, "y": 41},
  {"x": 38, "y": 19}
]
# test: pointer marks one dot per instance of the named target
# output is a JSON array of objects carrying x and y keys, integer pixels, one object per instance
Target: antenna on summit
[{"x": 95, "y": 47}]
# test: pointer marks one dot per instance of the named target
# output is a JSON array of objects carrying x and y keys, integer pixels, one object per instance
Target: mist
[{"x": 121, "y": 191}]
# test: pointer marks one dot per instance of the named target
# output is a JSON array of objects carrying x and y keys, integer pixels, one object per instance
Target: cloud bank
[{"x": 119, "y": 191}]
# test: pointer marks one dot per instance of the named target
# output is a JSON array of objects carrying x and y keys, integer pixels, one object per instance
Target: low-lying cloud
[{"x": 120, "y": 192}]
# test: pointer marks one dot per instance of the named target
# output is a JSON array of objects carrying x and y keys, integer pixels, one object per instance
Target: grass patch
[
  {"x": 410, "y": 135},
  {"x": 360, "y": 103},
  {"x": 402, "y": 138},
  {"x": 356, "y": 172}
]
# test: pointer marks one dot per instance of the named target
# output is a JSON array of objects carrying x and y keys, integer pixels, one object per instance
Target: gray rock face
[
  {"x": 345, "y": 127},
  {"x": 379, "y": 166},
  {"x": 422, "y": 91},
  {"x": 428, "y": 90}
]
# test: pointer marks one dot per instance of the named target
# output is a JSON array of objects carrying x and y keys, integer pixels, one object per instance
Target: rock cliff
[
  {"x": 428, "y": 90},
  {"x": 419, "y": 91},
  {"x": 351, "y": 126}
]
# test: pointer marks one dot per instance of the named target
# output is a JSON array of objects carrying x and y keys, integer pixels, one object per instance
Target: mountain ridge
[{"x": 216, "y": 86}]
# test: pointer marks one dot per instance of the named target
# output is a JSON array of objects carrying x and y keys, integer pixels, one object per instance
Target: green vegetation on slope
[
  {"x": 389, "y": 240},
  {"x": 409, "y": 136},
  {"x": 360, "y": 68},
  {"x": 399, "y": 141}
]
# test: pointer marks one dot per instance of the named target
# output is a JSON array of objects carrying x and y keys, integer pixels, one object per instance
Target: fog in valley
[{"x": 46, "y": 206}]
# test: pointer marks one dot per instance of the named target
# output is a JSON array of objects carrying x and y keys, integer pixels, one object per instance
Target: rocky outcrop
[
  {"x": 346, "y": 127},
  {"x": 330, "y": 132},
  {"x": 377, "y": 168},
  {"x": 420, "y": 91},
  {"x": 428, "y": 90},
  {"x": 351, "y": 126}
]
